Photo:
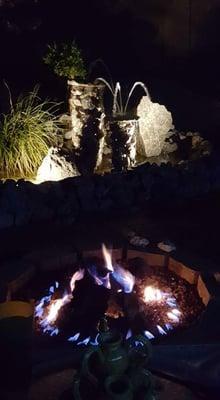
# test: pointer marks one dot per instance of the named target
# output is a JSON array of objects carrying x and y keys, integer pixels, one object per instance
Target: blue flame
[
  {"x": 125, "y": 279},
  {"x": 149, "y": 335},
  {"x": 74, "y": 338}
]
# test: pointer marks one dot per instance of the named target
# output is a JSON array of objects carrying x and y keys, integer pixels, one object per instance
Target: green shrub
[
  {"x": 66, "y": 61},
  {"x": 26, "y": 133}
]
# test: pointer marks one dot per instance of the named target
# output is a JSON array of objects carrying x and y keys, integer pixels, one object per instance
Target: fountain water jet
[
  {"x": 121, "y": 130},
  {"x": 118, "y": 109}
]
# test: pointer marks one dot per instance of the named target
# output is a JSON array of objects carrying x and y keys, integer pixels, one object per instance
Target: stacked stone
[
  {"x": 86, "y": 111},
  {"x": 23, "y": 202},
  {"x": 123, "y": 141}
]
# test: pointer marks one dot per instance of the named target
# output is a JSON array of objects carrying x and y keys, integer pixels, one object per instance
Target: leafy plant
[
  {"x": 66, "y": 60},
  {"x": 26, "y": 133}
]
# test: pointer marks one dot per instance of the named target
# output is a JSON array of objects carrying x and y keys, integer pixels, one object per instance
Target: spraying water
[
  {"x": 136, "y": 84},
  {"x": 118, "y": 108}
]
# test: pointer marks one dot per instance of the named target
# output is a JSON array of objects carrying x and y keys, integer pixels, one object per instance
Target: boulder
[
  {"x": 56, "y": 166},
  {"x": 155, "y": 124}
]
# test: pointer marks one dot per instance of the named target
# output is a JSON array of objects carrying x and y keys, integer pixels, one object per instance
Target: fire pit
[{"x": 139, "y": 292}]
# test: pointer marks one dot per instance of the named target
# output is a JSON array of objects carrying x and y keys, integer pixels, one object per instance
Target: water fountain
[
  {"x": 114, "y": 141},
  {"x": 121, "y": 128},
  {"x": 125, "y": 159},
  {"x": 101, "y": 141}
]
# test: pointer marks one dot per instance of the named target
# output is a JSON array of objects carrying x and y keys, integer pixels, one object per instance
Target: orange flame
[
  {"x": 77, "y": 276},
  {"x": 48, "y": 315},
  {"x": 152, "y": 294},
  {"x": 55, "y": 307},
  {"x": 107, "y": 258},
  {"x": 124, "y": 277}
]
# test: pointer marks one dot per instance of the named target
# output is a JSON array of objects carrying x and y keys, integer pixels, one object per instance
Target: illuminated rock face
[
  {"x": 155, "y": 122},
  {"x": 55, "y": 167},
  {"x": 87, "y": 113},
  {"x": 123, "y": 140},
  {"x": 86, "y": 108}
]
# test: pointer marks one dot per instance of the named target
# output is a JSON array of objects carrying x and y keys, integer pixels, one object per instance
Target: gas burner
[{"x": 145, "y": 293}]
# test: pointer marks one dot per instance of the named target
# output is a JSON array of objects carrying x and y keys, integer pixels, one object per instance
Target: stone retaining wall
[{"x": 23, "y": 202}]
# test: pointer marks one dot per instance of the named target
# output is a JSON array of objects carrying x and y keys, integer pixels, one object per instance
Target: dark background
[{"x": 173, "y": 46}]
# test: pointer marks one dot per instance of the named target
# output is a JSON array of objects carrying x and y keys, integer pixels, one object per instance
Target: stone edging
[{"x": 22, "y": 202}]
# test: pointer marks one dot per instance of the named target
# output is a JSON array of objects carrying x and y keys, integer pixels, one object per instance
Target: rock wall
[{"x": 22, "y": 202}]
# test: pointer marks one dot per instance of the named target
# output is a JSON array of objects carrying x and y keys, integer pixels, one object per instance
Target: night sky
[{"x": 137, "y": 39}]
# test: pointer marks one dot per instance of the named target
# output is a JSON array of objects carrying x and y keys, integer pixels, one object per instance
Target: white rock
[
  {"x": 144, "y": 242},
  {"x": 138, "y": 241},
  {"x": 68, "y": 134},
  {"x": 55, "y": 167},
  {"x": 77, "y": 102},
  {"x": 155, "y": 122},
  {"x": 166, "y": 246}
]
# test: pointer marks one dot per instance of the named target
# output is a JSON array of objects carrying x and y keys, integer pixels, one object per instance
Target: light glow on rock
[{"x": 155, "y": 124}]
